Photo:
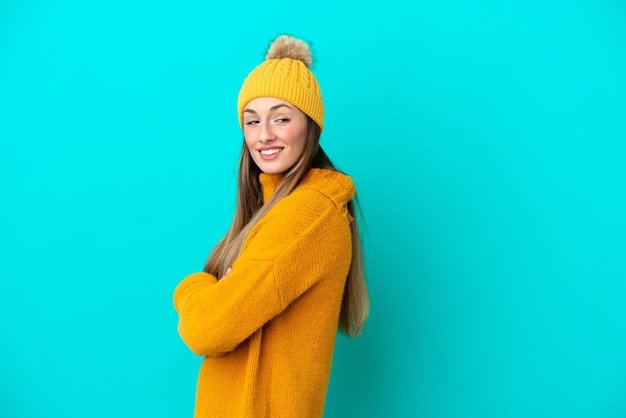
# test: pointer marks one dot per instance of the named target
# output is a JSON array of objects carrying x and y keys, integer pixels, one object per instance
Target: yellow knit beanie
[{"x": 285, "y": 75}]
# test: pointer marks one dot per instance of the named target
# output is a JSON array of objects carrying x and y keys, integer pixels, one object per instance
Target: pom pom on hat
[
  {"x": 285, "y": 75},
  {"x": 289, "y": 47}
]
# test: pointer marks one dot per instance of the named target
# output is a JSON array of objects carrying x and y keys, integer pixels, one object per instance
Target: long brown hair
[{"x": 251, "y": 208}]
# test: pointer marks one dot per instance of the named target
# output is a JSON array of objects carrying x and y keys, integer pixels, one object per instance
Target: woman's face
[{"x": 275, "y": 132}]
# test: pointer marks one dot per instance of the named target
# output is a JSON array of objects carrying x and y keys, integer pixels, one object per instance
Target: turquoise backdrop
[{"x": 487, "y": 142}]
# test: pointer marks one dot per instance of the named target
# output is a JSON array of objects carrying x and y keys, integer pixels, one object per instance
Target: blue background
[{"x": 487, "y": 142}]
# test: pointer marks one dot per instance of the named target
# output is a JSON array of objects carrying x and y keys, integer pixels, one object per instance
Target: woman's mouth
[{"x": 270, "y": 153}]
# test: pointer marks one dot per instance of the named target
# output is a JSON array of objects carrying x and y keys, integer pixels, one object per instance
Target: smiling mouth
[{"x": 270, "y": 151}]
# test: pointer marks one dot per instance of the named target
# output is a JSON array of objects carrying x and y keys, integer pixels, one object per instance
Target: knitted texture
[
  {"x": 268, "y": 329},
  {"x": 287, "y": 79}
]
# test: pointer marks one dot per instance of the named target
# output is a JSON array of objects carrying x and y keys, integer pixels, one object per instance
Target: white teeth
[{"x": 270, "y": 151}]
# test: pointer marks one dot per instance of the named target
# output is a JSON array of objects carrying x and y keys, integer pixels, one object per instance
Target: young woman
[{"x": 289, "y": 271}]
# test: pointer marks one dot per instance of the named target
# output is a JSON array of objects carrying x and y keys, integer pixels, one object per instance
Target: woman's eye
[
  {"x": 251, "y": 122},
  {"x": 282, "y": 120}
]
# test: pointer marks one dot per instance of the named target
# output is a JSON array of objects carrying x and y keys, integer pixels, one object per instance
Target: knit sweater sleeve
[{"x": 293, "y": 247}]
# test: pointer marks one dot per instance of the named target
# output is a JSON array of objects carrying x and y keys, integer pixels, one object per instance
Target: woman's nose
[{"x": 266, "y": 134}]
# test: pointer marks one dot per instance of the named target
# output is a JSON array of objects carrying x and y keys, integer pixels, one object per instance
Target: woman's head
[
  {"x": 275, "y": 132},
  {"x": 277, "y": 103}
]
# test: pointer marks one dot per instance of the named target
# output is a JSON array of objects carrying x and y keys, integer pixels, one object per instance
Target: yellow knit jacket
[{"x": 268, "y": 329}]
